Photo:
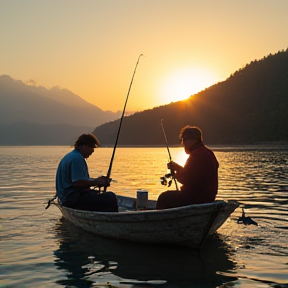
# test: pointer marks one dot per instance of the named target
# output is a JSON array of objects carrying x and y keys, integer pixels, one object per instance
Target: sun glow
[{"x": 183, "y": 83}]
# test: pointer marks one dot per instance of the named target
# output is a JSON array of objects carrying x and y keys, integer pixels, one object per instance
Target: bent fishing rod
[
  {"x": 120, "y": 124},
  {"x": 170, "y": 158}
]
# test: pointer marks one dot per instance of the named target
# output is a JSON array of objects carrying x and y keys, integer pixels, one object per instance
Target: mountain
[
  {"x": 26, "y": 107},
  {"x": 27, "y": 133},
  {"x": 21, "y": 102},
  {"x": 250, "y": 107}
]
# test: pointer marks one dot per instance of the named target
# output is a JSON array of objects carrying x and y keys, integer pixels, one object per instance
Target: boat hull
[{"x": 188, "y": 225}]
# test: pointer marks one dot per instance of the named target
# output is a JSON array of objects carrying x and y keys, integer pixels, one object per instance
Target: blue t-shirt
[{"x": 72, "y": 167}]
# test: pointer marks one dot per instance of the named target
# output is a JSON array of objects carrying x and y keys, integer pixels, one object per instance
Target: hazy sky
[{"x": 91, "y": 46}]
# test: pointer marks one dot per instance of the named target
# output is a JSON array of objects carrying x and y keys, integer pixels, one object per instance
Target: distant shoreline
[{"x": 268, "y": 145}]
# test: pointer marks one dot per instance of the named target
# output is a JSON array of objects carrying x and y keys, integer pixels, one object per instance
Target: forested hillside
[{"x": 249, "y": 107}]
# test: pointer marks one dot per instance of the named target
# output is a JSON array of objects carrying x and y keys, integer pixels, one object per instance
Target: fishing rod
[
  {"x": 115, "y": 145},
  {"x": 170, "y": 158}
]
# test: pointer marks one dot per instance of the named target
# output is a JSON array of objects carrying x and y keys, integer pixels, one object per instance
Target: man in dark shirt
[{"x": 199, "y": 176}]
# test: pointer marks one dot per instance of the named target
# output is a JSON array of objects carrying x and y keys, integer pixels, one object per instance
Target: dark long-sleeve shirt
[{"x": 199, "y": 175}]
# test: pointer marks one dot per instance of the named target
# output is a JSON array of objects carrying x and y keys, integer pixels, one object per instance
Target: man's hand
[
  {"x": 103, "y": 181},
  {"x": 173, "y": 166}
]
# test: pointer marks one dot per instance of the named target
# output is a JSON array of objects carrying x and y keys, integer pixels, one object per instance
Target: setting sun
[{"x": 183, "y": 83}]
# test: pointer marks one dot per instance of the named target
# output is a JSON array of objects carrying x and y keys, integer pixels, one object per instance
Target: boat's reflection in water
[{"x": 86, "y": 259}]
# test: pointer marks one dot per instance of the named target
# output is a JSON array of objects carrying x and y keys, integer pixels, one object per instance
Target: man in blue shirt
[{"x": 73, "y": 181}]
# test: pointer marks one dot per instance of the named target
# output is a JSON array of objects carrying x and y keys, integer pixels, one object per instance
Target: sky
[{"x": 91, "y": 47}]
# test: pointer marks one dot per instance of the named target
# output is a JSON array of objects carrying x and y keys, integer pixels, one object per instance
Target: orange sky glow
[{"x": 91, "y": 47}]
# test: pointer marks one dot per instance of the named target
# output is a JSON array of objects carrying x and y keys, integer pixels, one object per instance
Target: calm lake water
[{"x": 40, "y": 249}]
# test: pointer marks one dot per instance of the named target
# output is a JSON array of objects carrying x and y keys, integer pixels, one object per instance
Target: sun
[{"x": 184, "y": 82}]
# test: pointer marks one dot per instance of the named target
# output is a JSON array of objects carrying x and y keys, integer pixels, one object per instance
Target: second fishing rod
[{"x": 170, "y": 157}]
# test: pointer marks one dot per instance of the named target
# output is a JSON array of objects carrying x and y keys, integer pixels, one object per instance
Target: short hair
[
  {"x": 87, "y": 139},
  {"x": 191, "y": 132}
]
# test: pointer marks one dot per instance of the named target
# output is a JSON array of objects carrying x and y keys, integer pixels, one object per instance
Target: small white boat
[{"x": 188, "y": 225}]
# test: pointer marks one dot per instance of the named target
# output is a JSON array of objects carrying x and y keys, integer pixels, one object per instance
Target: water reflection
[{"x": 86, "y": 259}]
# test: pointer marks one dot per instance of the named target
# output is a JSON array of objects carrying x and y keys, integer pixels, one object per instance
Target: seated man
[
  {"x": 73, "y": 181},
  {"x": 199, "y": 175}
]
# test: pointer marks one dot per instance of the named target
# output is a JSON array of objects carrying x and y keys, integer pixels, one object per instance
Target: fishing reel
[{"x": 167, "y": 179}]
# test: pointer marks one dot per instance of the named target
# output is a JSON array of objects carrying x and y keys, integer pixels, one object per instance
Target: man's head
[
  {"x": 190, "y": 135},
  {"x": 86, "y": 144}
]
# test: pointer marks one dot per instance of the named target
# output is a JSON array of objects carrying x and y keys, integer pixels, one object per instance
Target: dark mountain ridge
[
  {"x": 33, "y": 134},
  {"x": 250, "y": 107}
]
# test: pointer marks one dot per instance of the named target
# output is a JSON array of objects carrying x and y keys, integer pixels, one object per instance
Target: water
[{"x": 38, "y": 248}]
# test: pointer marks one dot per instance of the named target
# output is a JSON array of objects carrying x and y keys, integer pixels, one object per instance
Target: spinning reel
[{"x": 164, "y": 179}]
